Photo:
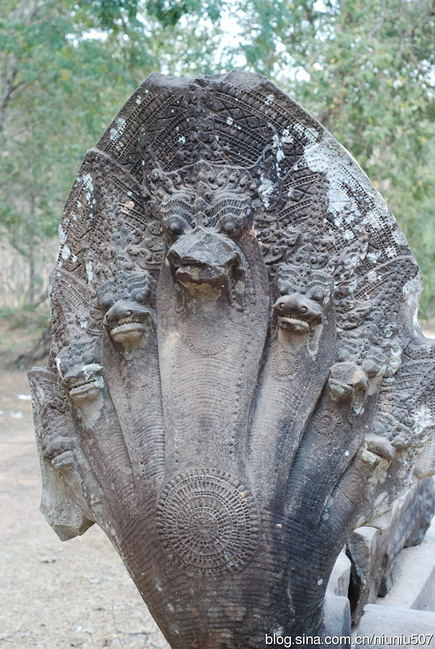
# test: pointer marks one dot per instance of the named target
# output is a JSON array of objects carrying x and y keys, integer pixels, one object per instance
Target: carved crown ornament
[{"x": 236, "y": 379}]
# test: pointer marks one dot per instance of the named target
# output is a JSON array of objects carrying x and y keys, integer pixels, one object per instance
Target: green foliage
[
  {"x": 109, "y": 14},
  {"x": 365, "y": 68},
  {"x": 30, "y": 317}
]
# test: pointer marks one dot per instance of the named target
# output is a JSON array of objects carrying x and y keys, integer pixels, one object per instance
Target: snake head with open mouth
[
  {"x": 84, "y": 382},
  {"x": 348, "y": 383},
  {"x": 124, "y": 301},
  {"x": 81, "y": 375},
  {"x": 202, "y": 257},
  {"x": 300, "y": 313},
  {"x": 207, "y": 216},
  {"x": 303, "y": 294}
]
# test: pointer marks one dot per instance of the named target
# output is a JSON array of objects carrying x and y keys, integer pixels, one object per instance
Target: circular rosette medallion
[
  {"x": 284, "y": 364},
  {"x": 207, "y": 522}
]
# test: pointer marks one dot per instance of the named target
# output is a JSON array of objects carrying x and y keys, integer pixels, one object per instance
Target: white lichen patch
[
  {"x": 353, "y": 284},
  {"x": 88, "y": 182},
  {"x": 374, "y": 219},
  {"x": 412, "y": 287},
  {"x": 265, "y": 190},
  {"x": 277, "y": 146},
  {"x": 58, "y": 362},
  {"x": 287, "y": 137},
  {"x": 351, "y": 196},
  {"x": 62, "y": 235},
  {"x": 422, "y": 418},
  {"x": 230, "y": 121},
  {"x": 269, "y": 100},
  {"x": 339, "y": 202},
  {"x": 307, "y": 132},
  {"x": 66, "y": 252},
  {"x": 157, "y": 585},
  {"x": 118, "y": 130},
  {"x": 373, "y": 256},
  {"x": 89, "y": 270}
]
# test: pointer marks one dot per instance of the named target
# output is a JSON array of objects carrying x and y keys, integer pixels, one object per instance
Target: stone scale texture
[{"x": 236, "y": 379}]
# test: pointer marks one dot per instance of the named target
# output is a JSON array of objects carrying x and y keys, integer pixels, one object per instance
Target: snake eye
[
  {"x": 284, "y": 287},
  {"x": 140, "y": 296},
  {"x": 229, "y": 226},
  {"x": 317, "y": 294},
  {"x": 175, "y": 225},
  {"x": 107, "y": 300},
  {"x": 231, "y": 223}
]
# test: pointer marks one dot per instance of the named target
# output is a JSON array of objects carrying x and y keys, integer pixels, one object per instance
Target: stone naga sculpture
[{"x": 237, "y": 380}]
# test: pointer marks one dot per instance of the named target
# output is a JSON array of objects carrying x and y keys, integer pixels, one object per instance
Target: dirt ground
[{"x": 55, "y": 595}]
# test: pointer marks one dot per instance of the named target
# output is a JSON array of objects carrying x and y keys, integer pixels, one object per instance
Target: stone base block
[{"x": 382, "y": 626}]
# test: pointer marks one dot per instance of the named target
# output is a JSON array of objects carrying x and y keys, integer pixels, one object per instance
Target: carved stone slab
[
  {"x": 237, "y": 380},
  {"x": 376, "y": 554}
]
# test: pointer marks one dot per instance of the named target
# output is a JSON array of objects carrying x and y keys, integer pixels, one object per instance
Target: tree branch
[{"x": 11, "y": 89}]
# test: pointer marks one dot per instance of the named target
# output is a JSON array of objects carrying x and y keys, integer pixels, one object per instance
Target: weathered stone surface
[
  {"x": 337, "y": 617},
  {"x": 374, "y": 552},
  {"x": 236, "y": 379},
  {"x": 414, "y": 586},
  {"x": 339, "y": 580},
  {"x": 395, "y": 627}
]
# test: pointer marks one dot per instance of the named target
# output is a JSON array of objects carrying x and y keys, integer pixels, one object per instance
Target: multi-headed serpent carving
[{"x": 236, "y": 378}]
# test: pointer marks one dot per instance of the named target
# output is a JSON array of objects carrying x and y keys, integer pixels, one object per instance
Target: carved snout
[
  {"x": 348, "y": 383},
  {"x": 58, "y": 449},
  {"x": 297, "y": 313},
  {"x": 203, "y": 257},
  {"x": 84, "y": 382},
  {"x": 59, "y": 452},
  {"x": 128, "y": 321}
]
